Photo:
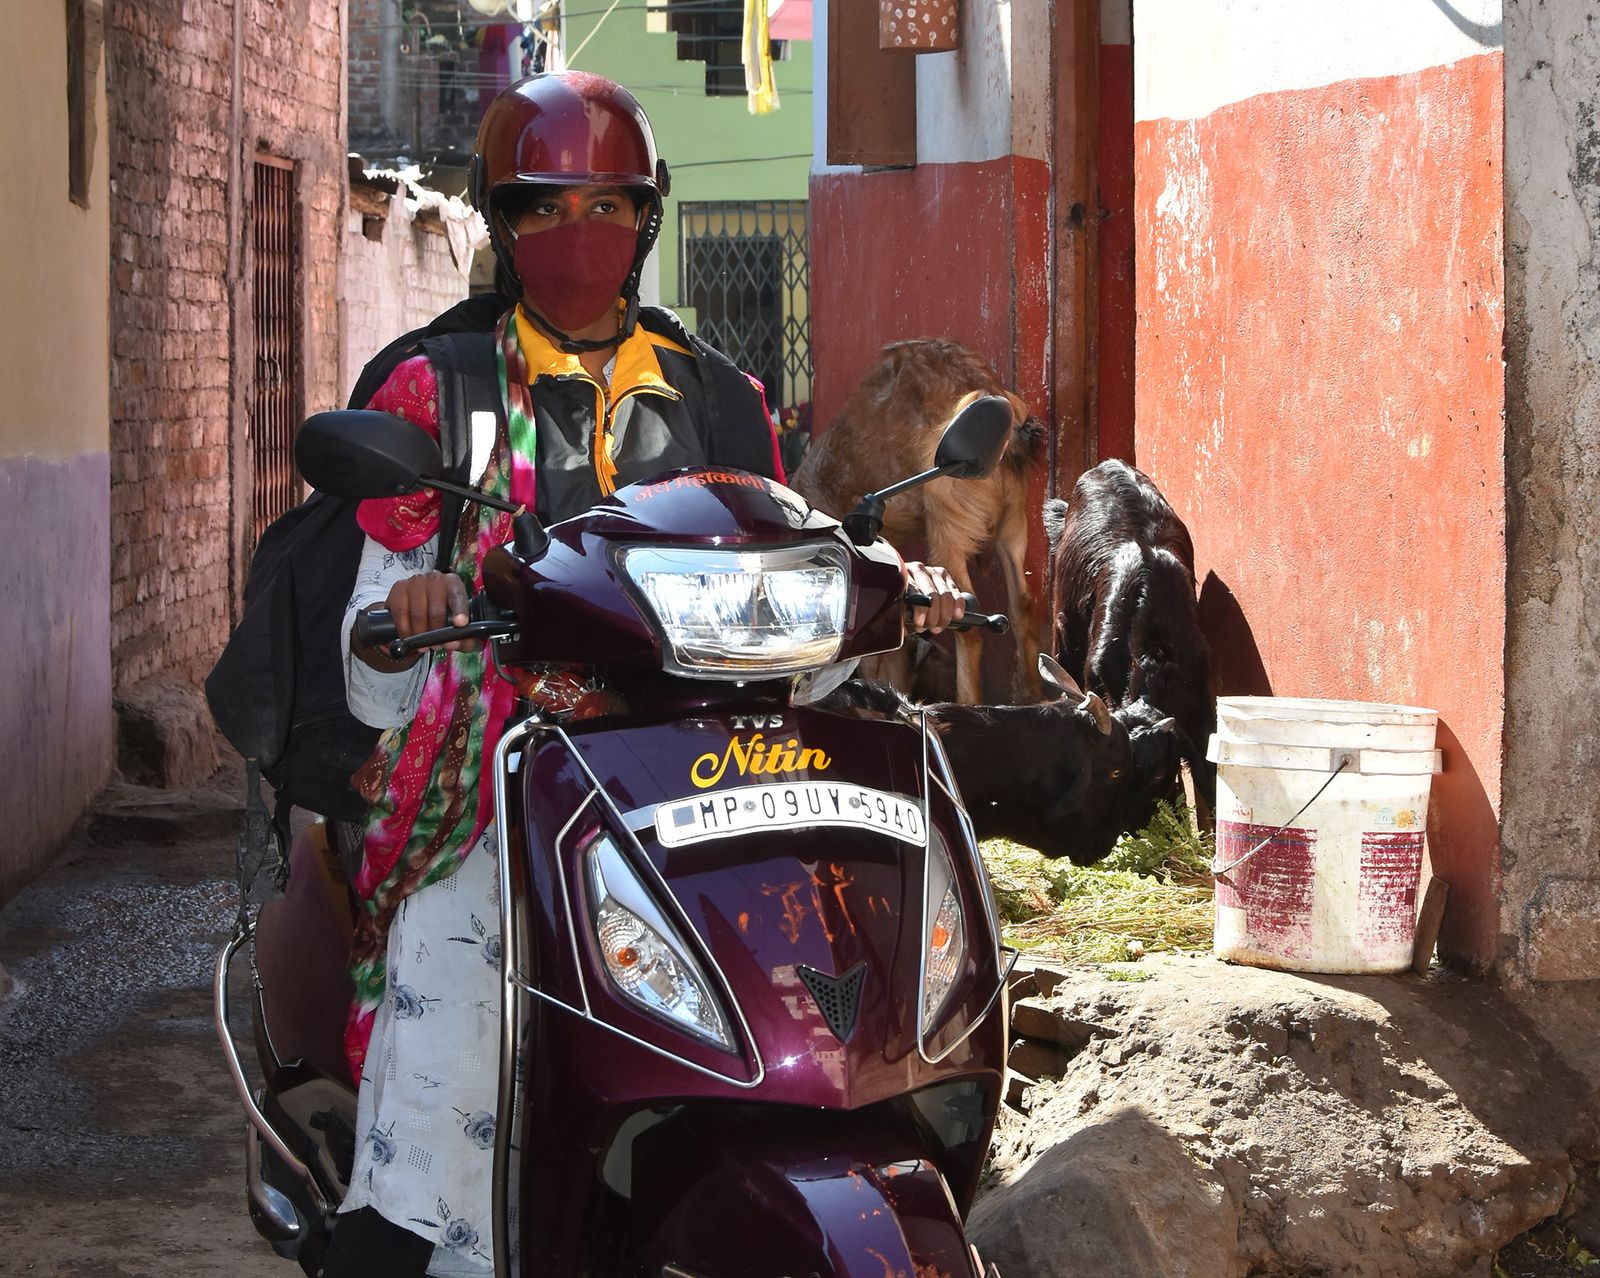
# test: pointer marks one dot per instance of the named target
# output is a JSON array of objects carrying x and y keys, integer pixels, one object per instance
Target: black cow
[
  {"x": 1122, "y": 565},
  {"x": 1065, "y": 777}
]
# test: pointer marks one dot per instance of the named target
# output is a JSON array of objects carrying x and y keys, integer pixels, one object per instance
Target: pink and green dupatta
[{"x": 431, "y": 795}]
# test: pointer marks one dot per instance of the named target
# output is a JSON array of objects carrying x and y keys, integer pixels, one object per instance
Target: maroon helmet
[{"x": 566, "y": 128}]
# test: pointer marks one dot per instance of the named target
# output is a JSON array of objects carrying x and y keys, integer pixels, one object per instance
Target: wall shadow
[
  {"x": 1464, "y": 846},
  {"x": 1236, "y": 666}
]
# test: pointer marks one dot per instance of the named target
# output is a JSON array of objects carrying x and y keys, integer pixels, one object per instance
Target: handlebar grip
[
  {"x": 374, "y": 629},
  {"x": 971, "y": 619}
]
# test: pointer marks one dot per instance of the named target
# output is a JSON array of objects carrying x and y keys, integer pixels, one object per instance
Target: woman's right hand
[{"x": 427, "y": 601}]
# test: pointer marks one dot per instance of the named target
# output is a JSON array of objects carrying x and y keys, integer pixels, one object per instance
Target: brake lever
[
  {"x": 971, "y": 619},
  {"x": 397, "y": 649}
]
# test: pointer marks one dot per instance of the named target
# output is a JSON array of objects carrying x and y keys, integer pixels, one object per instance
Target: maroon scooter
[{"x": 752, "y": 976}]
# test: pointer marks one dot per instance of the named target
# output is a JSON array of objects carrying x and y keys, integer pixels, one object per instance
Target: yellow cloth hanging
[{"x": 756, "y": 47}]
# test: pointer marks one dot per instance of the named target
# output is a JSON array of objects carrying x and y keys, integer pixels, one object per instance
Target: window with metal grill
[
  {"x": 747, "y": 273},
  {"x": 275, "y": 408}
]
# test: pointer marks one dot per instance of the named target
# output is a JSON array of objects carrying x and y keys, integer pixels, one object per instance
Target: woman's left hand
[{"x": 945, "y": 596}]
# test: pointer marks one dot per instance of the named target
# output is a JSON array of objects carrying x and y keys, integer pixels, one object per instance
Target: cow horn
[
  {"x": 1102, "y": 716},
  {"x": 1164, "y": 725},
  {"x": 1055, "y": 674}
]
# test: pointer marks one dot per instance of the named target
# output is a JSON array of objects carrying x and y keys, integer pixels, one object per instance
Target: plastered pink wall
[
  {"x": 1319, "y": 393},
  {"x": 941, "y": 250}
]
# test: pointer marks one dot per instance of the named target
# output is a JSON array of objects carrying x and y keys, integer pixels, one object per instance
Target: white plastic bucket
[{"x": 1321, "y": 812}]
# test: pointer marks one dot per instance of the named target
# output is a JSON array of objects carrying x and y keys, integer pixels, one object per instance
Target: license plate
[{"x": 788, "y": 805}]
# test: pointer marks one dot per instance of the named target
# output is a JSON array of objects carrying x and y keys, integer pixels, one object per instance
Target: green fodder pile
[{"x": 1153, "y": 892}]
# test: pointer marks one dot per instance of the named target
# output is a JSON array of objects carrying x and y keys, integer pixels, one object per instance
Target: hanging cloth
[{"x": 756, "y": 48}]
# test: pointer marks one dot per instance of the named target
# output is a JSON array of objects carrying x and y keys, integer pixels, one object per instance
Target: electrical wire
[
  {"x": 743, "y": 159},
  {"x": 444, "y": 77},
  {"x": 584, "y": 43},
  {"x": 477, "y": 22}
]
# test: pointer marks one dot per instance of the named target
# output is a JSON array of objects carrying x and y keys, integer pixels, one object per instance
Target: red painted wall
[
  {"x": 941, "y": 250},
  {"x": 1320, "y": 389},
  {"x": 1114, "y": 354}
]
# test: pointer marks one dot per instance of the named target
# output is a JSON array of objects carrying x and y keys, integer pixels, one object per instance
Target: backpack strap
[{"x": 468, "y": 374}]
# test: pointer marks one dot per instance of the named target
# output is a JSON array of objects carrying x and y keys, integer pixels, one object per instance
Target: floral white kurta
[{"x": 425, "y": 1112}]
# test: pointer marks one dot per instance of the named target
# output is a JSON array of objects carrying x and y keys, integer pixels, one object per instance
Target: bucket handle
[{"x": 1347, "y": 759}]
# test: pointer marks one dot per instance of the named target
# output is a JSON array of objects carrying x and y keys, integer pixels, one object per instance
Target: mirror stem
[
  {"x": 863, "y": 524},
  {"x": 471, "y": 494},
  {"x": 894, "y": 490},
  {"x": 528, "y": 537}
]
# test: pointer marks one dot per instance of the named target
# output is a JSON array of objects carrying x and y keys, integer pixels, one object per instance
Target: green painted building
[{"x": 732, "y": 254}]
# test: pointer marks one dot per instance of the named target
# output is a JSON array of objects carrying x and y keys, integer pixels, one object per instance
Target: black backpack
[{"x": 277, "y": 691}]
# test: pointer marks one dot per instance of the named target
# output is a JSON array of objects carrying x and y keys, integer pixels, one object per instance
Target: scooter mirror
[
  {"x": 356, "y": 453},
  {"x": 972, "y": 443}
]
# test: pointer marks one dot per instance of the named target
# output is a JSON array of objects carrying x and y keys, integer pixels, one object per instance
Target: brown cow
[{"x": 888, "y": 429}]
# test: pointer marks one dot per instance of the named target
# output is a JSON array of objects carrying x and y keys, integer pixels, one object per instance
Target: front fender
[{"x": 730, "y": 1198}]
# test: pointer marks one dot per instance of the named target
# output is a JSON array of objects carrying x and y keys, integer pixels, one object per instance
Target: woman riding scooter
[{"x": 599, "y": 392}]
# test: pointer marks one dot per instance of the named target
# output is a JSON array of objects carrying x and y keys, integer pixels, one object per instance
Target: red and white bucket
[{"x": 1322, "y": 809}]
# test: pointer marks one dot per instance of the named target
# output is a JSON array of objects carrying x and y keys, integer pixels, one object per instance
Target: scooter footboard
[{"x": 718, "y": 1196}]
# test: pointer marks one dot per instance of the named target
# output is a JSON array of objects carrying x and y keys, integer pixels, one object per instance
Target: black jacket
[{"x": 707, "y": 413}]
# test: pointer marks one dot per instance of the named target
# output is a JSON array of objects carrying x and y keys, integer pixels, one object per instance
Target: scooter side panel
[
  {"x": 302, "y": 951},
  {"x": 757, "y": 906}
]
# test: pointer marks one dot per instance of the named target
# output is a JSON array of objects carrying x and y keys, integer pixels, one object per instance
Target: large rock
[
  {"x": 1225, "y": 1121},
  {"x": 165, "y": 736},
  {"x": 1120, "y": 1195}
]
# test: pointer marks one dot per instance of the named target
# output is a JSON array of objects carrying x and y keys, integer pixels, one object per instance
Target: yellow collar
[{"x": 637, "y": 365}]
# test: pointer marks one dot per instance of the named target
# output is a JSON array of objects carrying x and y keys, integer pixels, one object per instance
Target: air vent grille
[{"x": 838, "y": 997}]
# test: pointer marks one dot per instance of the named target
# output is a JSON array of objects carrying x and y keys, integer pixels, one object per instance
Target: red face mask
[{"x": 574, "y": 272}]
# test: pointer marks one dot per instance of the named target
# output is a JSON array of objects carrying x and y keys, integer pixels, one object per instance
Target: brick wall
[
  {"x": 369, "y": 133},
  {"x": 181, "y": 336},
  {"x": 392, "y": 280},
  {"x": 407, "y": 96}
]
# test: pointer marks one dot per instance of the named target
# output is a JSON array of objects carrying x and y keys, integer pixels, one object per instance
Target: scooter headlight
[
  {"x": 644, "y": 956},
  {"x": 740, "y": 614},
  {"x": 944, "y": 932}
]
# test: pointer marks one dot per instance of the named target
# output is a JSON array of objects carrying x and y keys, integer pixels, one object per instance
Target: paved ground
[{"x": 120, "y": 1136}]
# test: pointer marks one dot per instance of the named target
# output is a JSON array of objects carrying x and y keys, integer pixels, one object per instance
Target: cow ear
[
  {"x": 1052, "y": 672},
  {"x": 1102, "y": 716}
]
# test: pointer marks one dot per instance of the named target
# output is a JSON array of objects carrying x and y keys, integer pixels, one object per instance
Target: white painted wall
[
  {"x": 964, "y": 97},
  {"x": 1194, "y": 56},
  {"x": 392, "y": 285}
]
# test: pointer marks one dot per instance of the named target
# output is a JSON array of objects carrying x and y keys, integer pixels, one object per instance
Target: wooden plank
[
  {"x": 1074, "y": 233},
  {"x": 1429, "y": 918},
  {"x": 872, "y": 95}
]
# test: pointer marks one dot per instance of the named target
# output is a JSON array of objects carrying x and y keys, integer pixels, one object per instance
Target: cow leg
[
  {"x": 958, "y": 516},
  {"x": 1011, "y": 545}
]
